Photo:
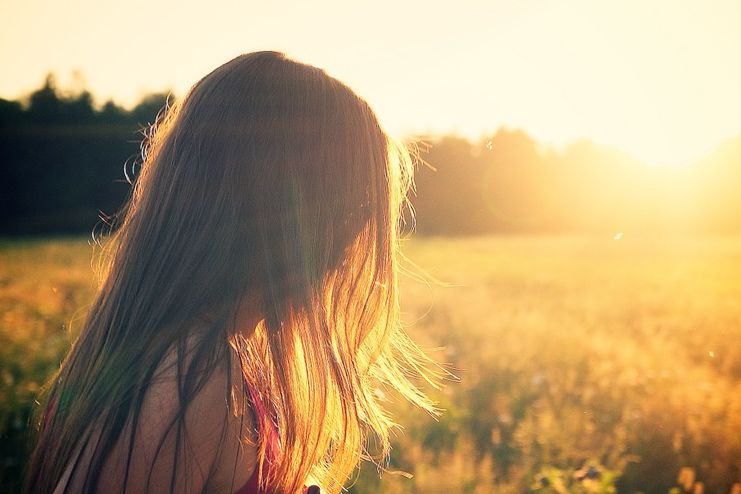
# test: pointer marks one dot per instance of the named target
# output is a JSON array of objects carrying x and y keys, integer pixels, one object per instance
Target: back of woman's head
[{"x": 270, "y": 180}]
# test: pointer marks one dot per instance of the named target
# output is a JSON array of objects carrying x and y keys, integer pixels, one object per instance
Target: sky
[{"x": 657, "y": 79}]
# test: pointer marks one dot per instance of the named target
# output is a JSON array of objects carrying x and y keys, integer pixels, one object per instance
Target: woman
[{"x": 248, "y": 317}]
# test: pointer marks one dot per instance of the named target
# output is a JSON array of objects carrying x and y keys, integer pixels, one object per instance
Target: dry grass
[{"x": 572, "y": 351}]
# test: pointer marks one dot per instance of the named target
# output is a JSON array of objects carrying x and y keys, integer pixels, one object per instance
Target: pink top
[{"x": 252, "y": 486}]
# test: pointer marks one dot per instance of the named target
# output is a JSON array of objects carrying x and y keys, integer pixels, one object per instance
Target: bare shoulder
[{"x": 214, "y": 450}]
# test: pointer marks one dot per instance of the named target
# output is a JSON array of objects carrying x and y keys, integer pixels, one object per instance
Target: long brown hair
[{"x": 268, "y": 177}]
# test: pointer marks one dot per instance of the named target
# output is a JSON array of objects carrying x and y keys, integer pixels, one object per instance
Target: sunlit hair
[{"x": 268, "y": 177}]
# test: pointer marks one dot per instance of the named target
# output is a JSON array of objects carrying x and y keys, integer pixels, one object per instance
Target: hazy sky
[{"x": 658, "y": 79}]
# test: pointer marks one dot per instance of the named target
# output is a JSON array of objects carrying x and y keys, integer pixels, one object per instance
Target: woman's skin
[{"x": 233, "y": 461}]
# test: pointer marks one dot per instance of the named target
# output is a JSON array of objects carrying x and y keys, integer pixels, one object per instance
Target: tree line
[
  {"x": 510, "y": 183},
  {"x": 63, "y": 159},
  {"x": 65, "y": 164}
]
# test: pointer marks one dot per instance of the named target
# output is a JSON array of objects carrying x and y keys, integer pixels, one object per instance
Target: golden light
[{"x": 656, "y": 79}]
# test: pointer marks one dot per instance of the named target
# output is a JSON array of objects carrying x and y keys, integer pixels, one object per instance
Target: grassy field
[{"x": 586, "y": 364}]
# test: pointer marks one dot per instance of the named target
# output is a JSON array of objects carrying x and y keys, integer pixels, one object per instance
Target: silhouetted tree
[
  {"x": 112, "y": 113},
  {"x": 11, "y": 112},
  {"x": 63, "y": 163},
  {"x": 63, "y": 160},
  {"x": 449, "y": 199},
  {"x": 44, "y": 104},
  {"x": 514, "y": 182},
  {"x": 146, "y": 111},
  {"x": 80, "y": 108}
]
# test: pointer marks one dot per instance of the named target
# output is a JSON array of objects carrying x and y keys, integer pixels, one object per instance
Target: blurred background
[{"x": 579, "y": 201}]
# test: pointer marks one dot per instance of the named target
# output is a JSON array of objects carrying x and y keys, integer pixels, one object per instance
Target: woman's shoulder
[
  {"x": 237, "y": 459},
  {"x": 214, "y": 450},
  {"x": 222, "y": 436}
]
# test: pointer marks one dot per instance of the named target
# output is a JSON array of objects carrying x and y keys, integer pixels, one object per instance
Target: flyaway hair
[{"x": 269, "y": 177}]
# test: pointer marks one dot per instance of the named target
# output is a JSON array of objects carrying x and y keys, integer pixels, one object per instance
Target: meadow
[{"x": 584, "y": 363}]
